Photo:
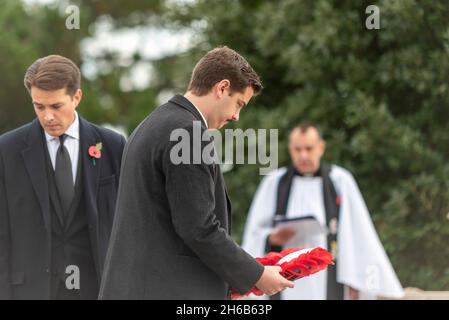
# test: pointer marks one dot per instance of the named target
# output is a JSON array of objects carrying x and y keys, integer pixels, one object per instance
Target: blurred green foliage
[{"x": 380, "y": 96}]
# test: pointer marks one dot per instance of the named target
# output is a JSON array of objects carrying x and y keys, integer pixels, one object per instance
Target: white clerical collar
[
  {"x": 73, "y": 131},
  {"x": 200, "y": 113},
  {"x": 309, "y": 175}
]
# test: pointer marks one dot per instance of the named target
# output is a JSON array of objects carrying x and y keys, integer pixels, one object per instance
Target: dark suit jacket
[
  {"x": 171, "y": 237},
  {"x": 25, "y": 219}
]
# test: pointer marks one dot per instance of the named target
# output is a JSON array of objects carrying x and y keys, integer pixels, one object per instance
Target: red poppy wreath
[{"x": 295, "y": 263}]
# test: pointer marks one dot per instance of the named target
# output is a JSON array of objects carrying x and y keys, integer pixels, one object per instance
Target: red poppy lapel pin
[
  {"x": 338, "y": 200},
  {"x": 95, "y": 152}
]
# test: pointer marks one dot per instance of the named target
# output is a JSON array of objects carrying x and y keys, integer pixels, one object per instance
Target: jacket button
[{"x": 47, "y": 270}]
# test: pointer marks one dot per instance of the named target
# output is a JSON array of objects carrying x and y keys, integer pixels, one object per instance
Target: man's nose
[
  {"x": 48, "y": 116},
  {"x": 304, "y": 154}
]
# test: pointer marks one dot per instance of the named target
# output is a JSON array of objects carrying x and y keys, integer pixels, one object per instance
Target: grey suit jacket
[{"x": 171, "y": 234}]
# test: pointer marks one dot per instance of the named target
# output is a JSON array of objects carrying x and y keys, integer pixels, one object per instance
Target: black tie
[{"x": 64, "y": 176}]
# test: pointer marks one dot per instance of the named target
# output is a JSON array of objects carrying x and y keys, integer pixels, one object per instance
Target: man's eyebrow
[{"x": 53, "y": 105}]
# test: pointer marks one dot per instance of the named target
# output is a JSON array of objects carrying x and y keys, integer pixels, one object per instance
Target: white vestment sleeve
[
  {"x": 362, "y": 261},
  {"x": 260, "y": 217}
]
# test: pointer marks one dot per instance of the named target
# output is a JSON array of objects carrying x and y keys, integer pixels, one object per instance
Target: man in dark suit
[
  {"x": 171, "y": 236},
  {"x": 58, "y": 184}
]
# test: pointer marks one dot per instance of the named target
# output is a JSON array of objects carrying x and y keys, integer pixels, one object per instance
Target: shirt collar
[
  {"x": 309, "y": 175},
  {"x": 73, "y": 131},
  {"x": 202, "y": 116}
]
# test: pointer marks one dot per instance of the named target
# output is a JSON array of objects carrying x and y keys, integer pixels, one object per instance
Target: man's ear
[
  {"x": 221, "y": 87},
  {"x": 77, "y": 97},
  {"x": 323, "y": 146}
]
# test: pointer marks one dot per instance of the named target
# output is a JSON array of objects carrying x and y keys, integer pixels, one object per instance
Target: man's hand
[
  {"x": 271, "y": 281},
  {"x": 280, "y": 236},
  {"x": 353, "y": 294}
]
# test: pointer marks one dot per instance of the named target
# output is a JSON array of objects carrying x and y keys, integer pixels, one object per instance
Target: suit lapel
[
  {"x": 91, "y": 179},
  {"x": 228, "y": 204},
  {"x": 89, "y": 137},
  {"x": 34, "y": 159},
  {"x": 229, "y": 207}
]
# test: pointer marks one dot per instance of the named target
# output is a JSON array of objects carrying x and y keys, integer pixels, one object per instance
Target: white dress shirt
[{"x": 72, "y": 144}]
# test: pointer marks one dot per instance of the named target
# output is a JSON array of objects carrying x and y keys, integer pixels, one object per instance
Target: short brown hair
[
  {"x": 53, "y": 72},
  {"x": 304, "y": 126},
  {"x": 223, "y": 63}
]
